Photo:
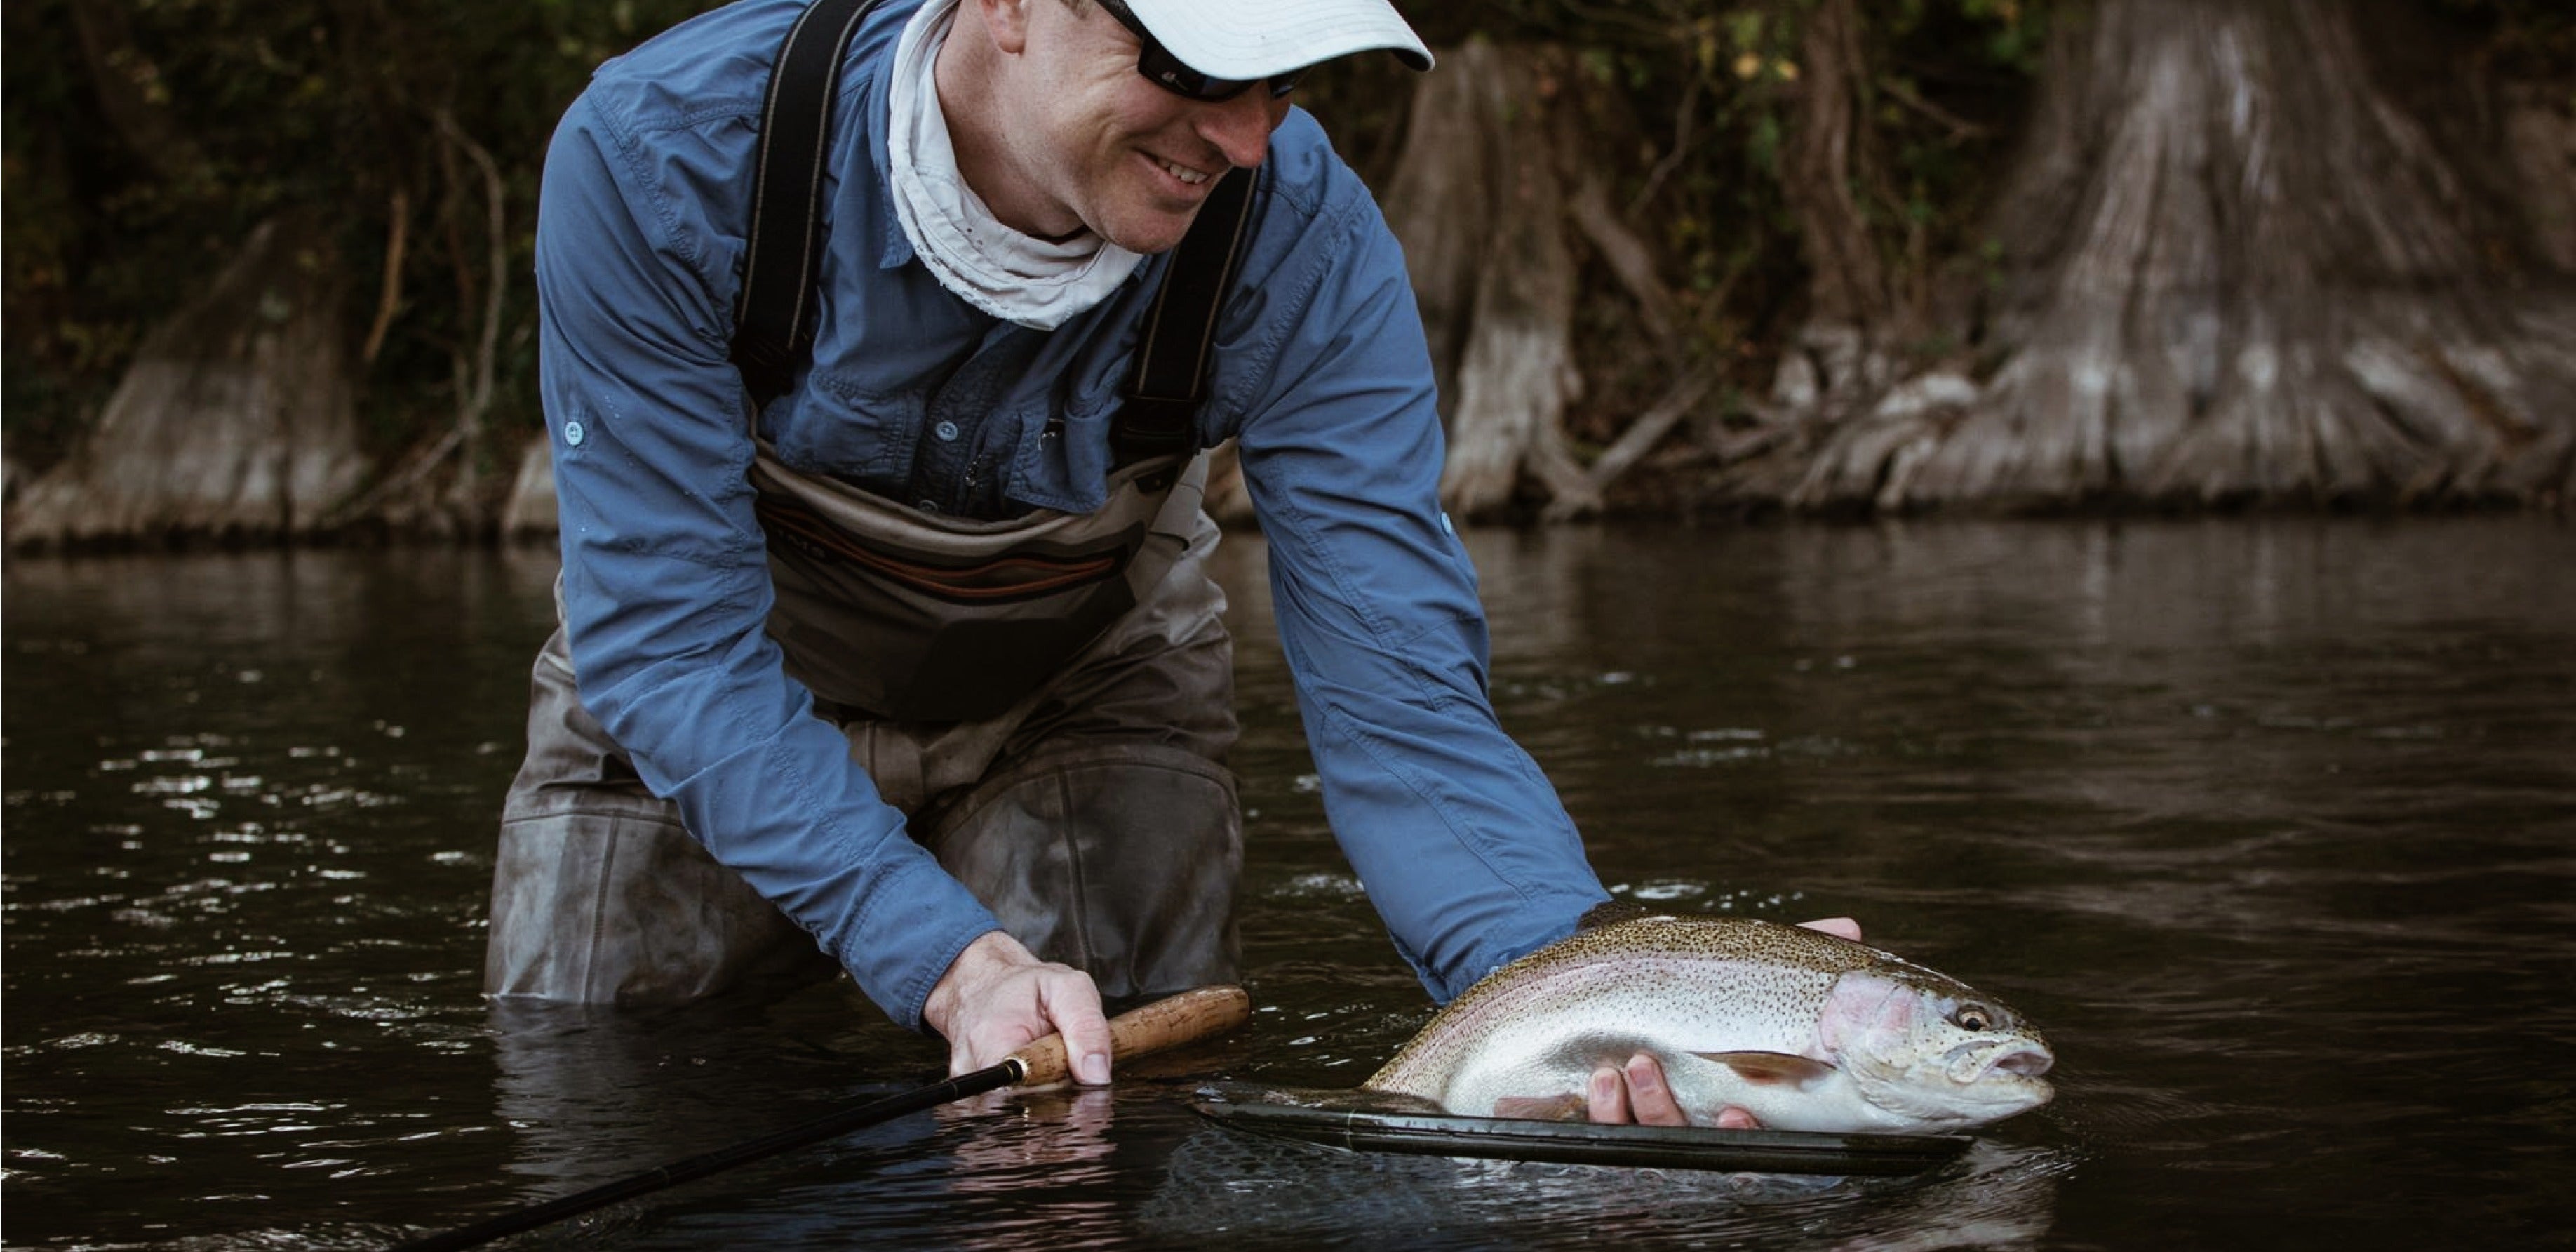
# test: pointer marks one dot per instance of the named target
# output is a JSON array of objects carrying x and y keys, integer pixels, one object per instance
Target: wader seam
[{"x": 599, "y": 919}]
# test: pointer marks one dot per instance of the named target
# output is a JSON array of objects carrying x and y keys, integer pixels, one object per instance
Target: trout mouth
[{"x": 2016, "y": 1061}]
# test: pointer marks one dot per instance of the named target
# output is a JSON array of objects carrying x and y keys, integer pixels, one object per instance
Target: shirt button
[
  {"x": 947, "y": 432},
  {"x": 572, "y": 433},
  {"x": 926, "y": 506}
]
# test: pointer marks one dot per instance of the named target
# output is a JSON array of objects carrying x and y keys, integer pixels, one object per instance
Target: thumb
[{"x": 1072, "y": 1002}]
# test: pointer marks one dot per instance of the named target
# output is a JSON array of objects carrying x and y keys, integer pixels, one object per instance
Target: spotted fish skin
[{"x": 1804, "y": 1030}]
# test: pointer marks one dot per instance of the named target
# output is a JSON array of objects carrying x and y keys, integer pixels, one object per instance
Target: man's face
[{"x": 1104, "y": 147}]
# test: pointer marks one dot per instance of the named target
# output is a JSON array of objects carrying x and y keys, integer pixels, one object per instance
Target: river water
[{"x": 2270, "y": 823}]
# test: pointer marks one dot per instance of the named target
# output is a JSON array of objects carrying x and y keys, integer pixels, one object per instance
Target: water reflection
[
  {"x": 1054, "y": 1144},
  {"x": 1230, "y": 1187}
]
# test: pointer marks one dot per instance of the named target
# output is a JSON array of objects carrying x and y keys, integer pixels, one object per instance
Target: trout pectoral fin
[
  {"x": 1769, "y": 1067},
  {"x": 1569, "y": 1107}
]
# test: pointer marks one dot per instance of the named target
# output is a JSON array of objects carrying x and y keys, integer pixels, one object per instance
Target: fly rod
[{"x": 1163, "y": 1024}]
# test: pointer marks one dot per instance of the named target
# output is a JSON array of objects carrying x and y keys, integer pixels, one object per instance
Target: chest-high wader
[{"x": 916, "y": 616}]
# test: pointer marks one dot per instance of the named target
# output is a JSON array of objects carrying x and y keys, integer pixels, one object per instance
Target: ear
[{"x": 1006, "y": 22}]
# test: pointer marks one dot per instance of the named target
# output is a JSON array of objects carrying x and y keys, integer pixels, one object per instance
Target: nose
[{"x": 1240, "y": 128}]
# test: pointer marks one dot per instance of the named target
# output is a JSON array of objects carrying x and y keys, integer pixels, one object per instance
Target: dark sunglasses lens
[
  {"x": 1157, "y": 63},
  {"x": 1169, "y": 74}
]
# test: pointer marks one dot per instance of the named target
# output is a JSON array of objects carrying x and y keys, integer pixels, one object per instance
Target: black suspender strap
[
  {"x": 774, "y": 320},
  {"x": 1177, "y": 343}
]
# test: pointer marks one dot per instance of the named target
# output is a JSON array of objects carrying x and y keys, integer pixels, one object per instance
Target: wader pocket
[
  {"x": 909, "y": 639},
  {"x": 1017, "y": 575},
  {"x": 917, "y": 618}
]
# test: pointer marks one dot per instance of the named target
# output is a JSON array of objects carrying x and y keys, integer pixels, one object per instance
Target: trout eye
[{"x": 1973, "y": 1017}]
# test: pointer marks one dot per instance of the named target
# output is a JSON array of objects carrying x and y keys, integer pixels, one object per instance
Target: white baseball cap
[{"x": 1248, "y": 39}]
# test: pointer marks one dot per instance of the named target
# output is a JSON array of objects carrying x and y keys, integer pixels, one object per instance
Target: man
[{"x": 793, "y": 701}]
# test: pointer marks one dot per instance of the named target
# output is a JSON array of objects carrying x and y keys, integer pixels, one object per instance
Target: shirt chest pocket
[
  {"x": 1066, "y": 466},
  {"x": 865, "y": 435}
]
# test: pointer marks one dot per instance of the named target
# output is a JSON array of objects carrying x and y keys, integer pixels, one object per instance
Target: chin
[
  {"x": 1146, "y": 224},
  {"x": 1161, "y": 233}
]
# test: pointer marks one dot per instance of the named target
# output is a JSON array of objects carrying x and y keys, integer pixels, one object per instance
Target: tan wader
[{"x": 1048, "y": 700}]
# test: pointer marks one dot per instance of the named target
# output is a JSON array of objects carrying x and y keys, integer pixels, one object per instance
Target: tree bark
[
  {"x": 237, "y": 418},
  {"x": 1842, "y": 351},
  {"x": 2235, "y": 271},
  {"x": 2540, "y": 136},
  {"x": 530, "y": 511},
  {"x": 1479, "y": 203}
]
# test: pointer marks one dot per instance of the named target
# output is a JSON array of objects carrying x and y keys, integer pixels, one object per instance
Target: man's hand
[
  {"x": 997, "y": 998},
  {"x": 1637, "y": 1092}
]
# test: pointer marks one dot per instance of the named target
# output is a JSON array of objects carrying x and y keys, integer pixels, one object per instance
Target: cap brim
[{"x": 1246, "y": 39}]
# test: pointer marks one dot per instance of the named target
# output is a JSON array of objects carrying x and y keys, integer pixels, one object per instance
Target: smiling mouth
[{"x": 1181, "y": 172}]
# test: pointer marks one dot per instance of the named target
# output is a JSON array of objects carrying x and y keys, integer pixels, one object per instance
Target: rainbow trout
[{"x": 1799, "y": 1028}]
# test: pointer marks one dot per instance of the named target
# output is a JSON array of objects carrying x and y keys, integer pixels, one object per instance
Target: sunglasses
[{"x": 1157, "y": 63}]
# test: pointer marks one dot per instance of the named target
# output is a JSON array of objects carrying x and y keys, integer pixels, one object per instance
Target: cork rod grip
[{"x": 1166, "y": 1023}]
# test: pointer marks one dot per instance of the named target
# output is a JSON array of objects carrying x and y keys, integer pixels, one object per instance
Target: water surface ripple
[{"x": 2271, "y": 824}]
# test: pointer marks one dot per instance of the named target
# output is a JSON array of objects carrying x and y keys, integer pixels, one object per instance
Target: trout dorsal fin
[{"x": 1769, "y": 1068}]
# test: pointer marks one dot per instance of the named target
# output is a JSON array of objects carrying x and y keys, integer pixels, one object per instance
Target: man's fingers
[
  {"x": 984, "y": 1044},
  {"x": 1648, "y": 1097},
  {"x": 1608, "y": 1100},
  {"x": 1733, "y": 1118},
  {"x": 1072, "y": 1002},
  {"x": 998, "y": 998},
  {"x": 1839, "y": 927}
]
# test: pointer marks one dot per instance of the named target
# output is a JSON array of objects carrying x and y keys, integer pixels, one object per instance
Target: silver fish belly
[{"x": 1801, "y": 1029}]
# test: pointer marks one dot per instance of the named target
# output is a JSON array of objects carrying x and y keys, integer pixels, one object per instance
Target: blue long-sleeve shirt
[{"x": 1321, "y": 375}]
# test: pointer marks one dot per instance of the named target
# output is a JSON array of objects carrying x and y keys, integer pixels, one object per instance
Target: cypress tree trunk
[
  {"x": 2236, "y": 270},
  {"x": 1500, "y": 197},
  {"x": 529, "y": 511},
  {"x": 236, "y": 419},
  {"x": 1846, "y": 350},
  {"x": 1479, "y": 202}
]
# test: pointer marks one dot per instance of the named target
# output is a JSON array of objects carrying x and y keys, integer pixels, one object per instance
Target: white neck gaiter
[{"x": 1016, "y": 277}]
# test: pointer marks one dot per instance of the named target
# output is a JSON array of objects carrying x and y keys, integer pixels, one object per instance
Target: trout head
[{"x": 1932, "y": 1051}]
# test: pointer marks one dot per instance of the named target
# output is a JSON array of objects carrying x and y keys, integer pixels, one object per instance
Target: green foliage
[
  {"x": 1714, "y": 87},
  {"x": 139, "y": 157},
  {"x": 2528, "y": 39},
  {"x": 136, "y": 161},
  {"x": 238, "y": 111}
]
